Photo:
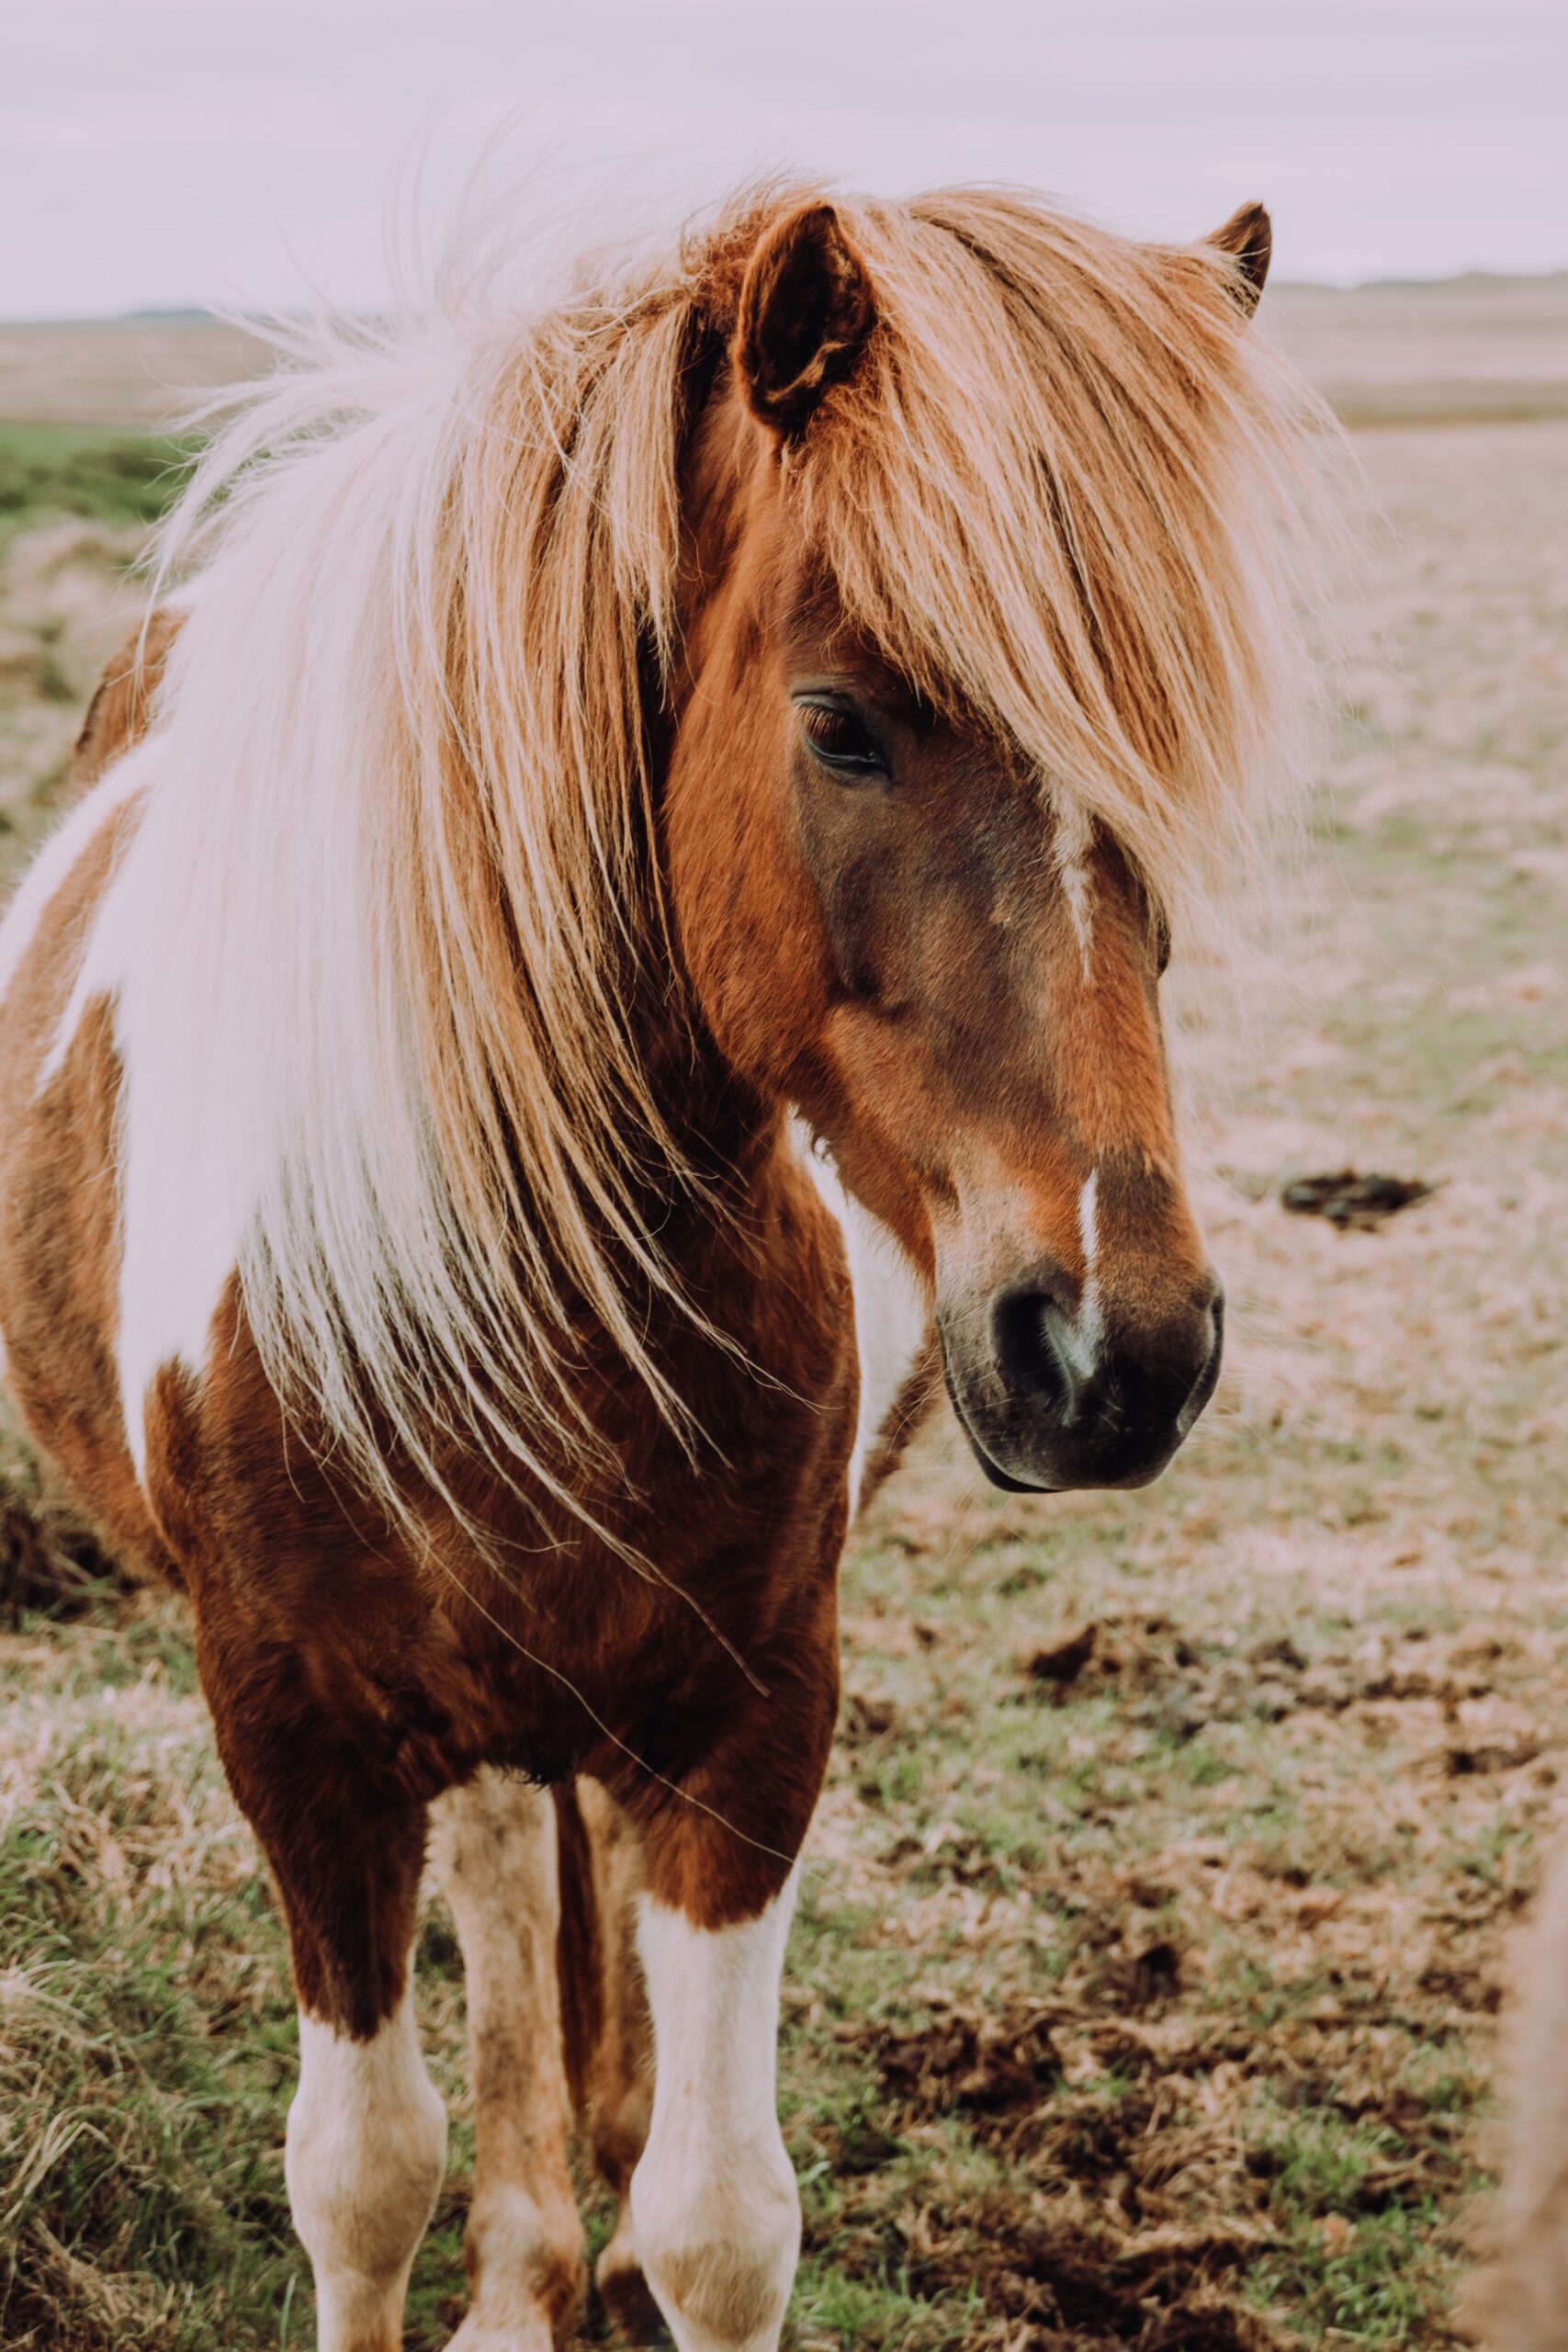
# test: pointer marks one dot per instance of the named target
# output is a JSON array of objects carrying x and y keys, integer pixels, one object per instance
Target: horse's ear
[
  {"x": 806, "y": 310},
  {"x": 1249, "y": 238}
]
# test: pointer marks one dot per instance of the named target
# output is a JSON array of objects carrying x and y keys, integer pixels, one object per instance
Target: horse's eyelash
[{"x": 823, "y": 719}]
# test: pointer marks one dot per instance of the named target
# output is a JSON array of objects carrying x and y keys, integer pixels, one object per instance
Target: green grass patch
[{"x": 121, "y": 480}]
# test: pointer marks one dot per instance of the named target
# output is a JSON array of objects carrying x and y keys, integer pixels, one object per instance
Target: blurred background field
[{"x": 1145, "y": 1985}]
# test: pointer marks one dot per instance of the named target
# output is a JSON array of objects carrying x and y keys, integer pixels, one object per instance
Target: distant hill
[
  {"x": 137, "y": 371},
  {"x": 1450, "y": 349},
  {"x": 173, "y": 316},
  {"x": 1470, "y": 348}
]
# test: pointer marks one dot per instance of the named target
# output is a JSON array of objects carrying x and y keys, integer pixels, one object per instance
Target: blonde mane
[
  {"x": 1072, "y": 491},
  {"x": 376, "y": 935}
]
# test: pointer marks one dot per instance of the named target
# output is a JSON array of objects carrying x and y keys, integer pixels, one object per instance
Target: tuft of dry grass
[{"x": 51, "y": 1561}]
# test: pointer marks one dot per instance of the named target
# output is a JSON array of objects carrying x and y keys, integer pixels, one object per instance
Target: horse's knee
[
  {"x": 366, "y": 2148},
  {"x": 718, "y": 2243}
]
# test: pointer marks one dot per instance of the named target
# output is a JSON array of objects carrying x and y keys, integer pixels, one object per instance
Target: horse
[
  {"x": 609, "y": 941},
  {"x": 1515, "y": 2301}
]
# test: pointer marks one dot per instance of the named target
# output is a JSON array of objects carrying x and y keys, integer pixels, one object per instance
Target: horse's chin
[
  {"x": 998, "y": 1476},
  {"x": 1009, "y": 1485}
]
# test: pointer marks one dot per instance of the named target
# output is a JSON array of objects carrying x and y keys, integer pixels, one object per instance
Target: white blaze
[{"x": 1084, "y": 1333}]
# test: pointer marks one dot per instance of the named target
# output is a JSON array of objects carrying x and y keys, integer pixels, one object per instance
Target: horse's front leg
[
  {"x": 617, "y": 2055},
  {"x": 366, "y": 2148},
  {"x": 494, "y": 1852},
  {"x": 715, "y": 2213},
  {"x": 366, "y": 2138}
]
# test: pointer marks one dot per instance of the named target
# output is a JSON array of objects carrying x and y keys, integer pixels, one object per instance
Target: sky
[{"x": 175, "y": 152}]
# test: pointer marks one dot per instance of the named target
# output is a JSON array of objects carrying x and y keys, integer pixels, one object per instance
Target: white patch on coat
[
  {"x": 715, "y": 2206},
  {"x": 366, "y": 2151},
  {"x": 180, "y": 1233},
  {"x": 52, "y": 864},
  {"x": 892, "y": 1313},
  {"x": 186, "y": 1200},
  {"x": 1073, "y": 842},
  {"x": 182, "y": 1215},
  {"x": 51, "y": 869}
]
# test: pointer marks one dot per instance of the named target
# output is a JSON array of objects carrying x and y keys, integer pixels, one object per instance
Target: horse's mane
[{"x": 376, "y": 934}]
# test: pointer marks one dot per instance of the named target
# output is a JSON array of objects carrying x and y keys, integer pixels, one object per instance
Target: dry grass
[{"x": 1145, "y": 1987}]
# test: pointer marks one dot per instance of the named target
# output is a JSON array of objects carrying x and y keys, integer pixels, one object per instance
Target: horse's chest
[{"x": 516, "y": 1632}]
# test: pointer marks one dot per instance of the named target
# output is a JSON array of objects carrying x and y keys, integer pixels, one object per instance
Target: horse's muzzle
[{"x": 1052, "y": 1395}]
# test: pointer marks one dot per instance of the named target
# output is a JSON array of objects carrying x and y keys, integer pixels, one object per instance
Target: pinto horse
[{"x": 622, "y": 911}]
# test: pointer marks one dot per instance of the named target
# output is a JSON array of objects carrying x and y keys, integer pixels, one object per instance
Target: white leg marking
[
  {"x": 366, "y": 2148},
  {"x": 891, "y": 1308},
  {"x": 494, "y": 1847},
  {"x": 715, "y": 2207}
]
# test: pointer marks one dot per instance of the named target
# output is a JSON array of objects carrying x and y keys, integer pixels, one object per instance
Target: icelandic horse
[{"x": 625, "y": 900}]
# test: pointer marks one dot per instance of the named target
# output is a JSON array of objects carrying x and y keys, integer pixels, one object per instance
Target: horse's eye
[
  {"x": 1162, "y": 941},
  {"x": 836, "y": 737}
]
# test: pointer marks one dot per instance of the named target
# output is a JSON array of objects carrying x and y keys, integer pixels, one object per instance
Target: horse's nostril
[
  {"x": 1034, "y": 1350},
  {"x": 1208, "y": 1373},
  {"x": 1057, "y": 1389}
]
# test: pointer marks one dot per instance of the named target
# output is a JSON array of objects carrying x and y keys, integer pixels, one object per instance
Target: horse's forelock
[{"x": 1069, "y": 490}]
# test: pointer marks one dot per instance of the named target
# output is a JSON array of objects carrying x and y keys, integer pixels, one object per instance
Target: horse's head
[{"x": 898, "y": 913}]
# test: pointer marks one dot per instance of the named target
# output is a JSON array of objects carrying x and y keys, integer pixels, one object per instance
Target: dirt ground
[{"x": 1145, "y": 1985}]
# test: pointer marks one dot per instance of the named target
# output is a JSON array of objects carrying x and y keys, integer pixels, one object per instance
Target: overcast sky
[{"x": 176, "y": 152}]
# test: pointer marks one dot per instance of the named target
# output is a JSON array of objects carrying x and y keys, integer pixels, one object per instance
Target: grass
[
  {"x": 143, "y": 2010},
  {"x": 1152, "y": 2003},
  {"x": 118, "y": 479}
]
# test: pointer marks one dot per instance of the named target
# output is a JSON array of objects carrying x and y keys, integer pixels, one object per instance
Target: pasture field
[{"x": 1145, "y": 1989}]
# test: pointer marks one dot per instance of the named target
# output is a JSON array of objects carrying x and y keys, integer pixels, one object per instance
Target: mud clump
[
  {"x": 968, "y": 2063},
  {"x": 1355, "y": 1203}
]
